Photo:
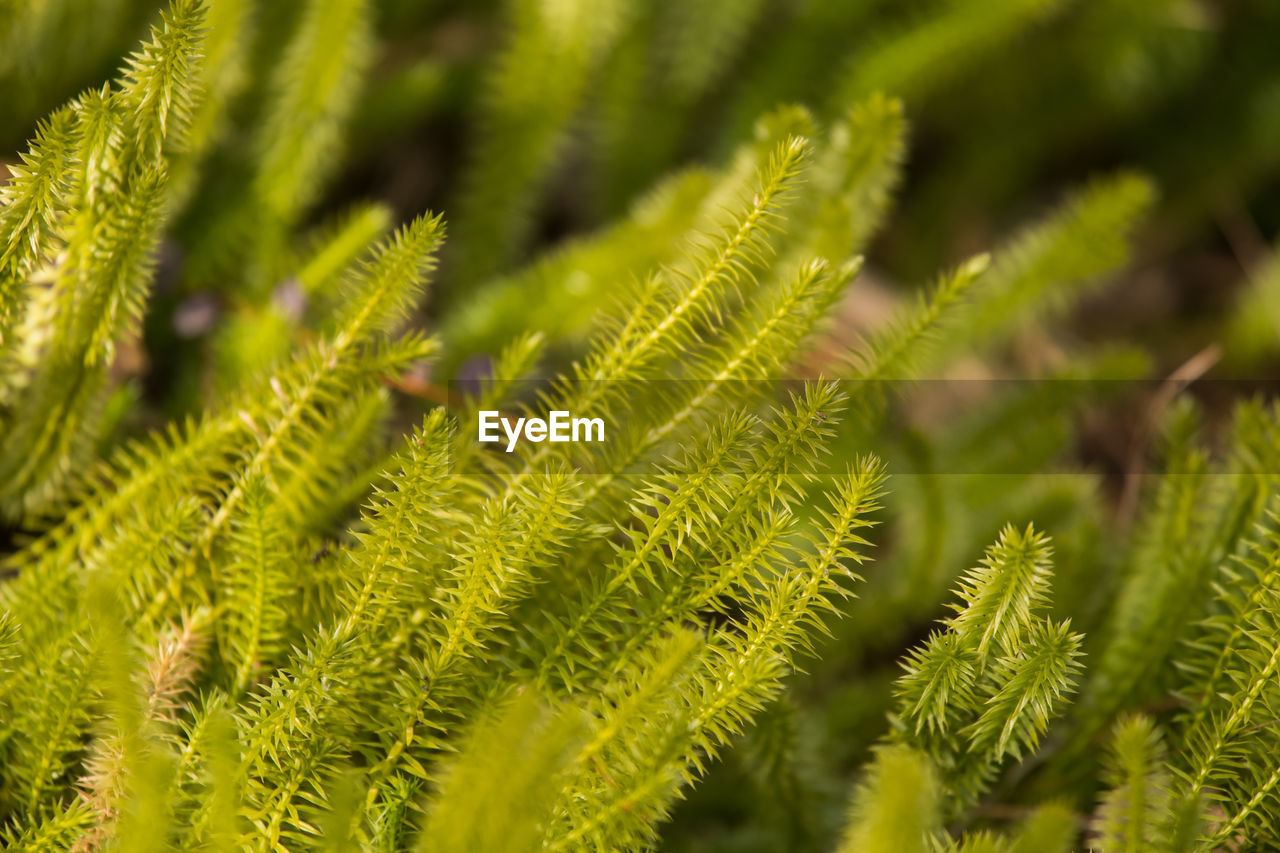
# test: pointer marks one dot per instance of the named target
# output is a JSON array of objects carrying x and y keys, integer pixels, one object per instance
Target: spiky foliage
[
  {"x": 899, "y": 806},
  {"x": 525, "y": 121},
  {"x": 1136, "y": 813},
  {"x": 311, "y": 93},
  {"x": 541, "y": 744},
  {"x": 436, "y": 590},
  {"x": 290, "y": 621},
  {"x": 83, "y": 222},
  {"x": 984, "y": 689},
  {"x": 878, "y": 820},
  {"x": 1229, "y": 727}
]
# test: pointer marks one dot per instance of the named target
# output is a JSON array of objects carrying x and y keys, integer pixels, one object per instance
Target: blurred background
[
  {"x": 1010, "y": 104},
  {"x": 534, "y": 125}
]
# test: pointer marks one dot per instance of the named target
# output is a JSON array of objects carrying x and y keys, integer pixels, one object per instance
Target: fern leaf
[
  {"x": 535, "y": 86},
  {"x": 1052, "y": 828},
  {"x": 985, "y": 688},
  {"x": 517, "y": 795},
  {"x": 258, "y": 578},
  {"x": 1031, "y": 685},
  {"x": 313, "y": 89},
  {"x": 1000, "y": 595},
  {"x": 29, "y": 206},
  {"x": 901, "y": 349},
  {"x": 1051, "y": 262},
  {"x": 1132, "y": 814},
  {"x": 158, "y": 87},
  {"x": 896, "y": 807}
]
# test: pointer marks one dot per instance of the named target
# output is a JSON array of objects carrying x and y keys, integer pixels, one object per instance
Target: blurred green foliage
[{"x": 703, "y": 191}]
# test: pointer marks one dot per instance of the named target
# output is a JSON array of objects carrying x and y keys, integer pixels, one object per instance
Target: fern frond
[
  {"x": 313, "y": 89},
  {"x": 387, "y": 557},
  {"x": 938, "y": 686},
  {"x": 1197, "y": 521},
  {"x": 560, "y": 293},
  {"x": 500, "y": 554},
  {"x": 1231, "y": 729},
  {"x": 897, "y": 806},
  {"x": 1053, "y": 261},
  {"x": 855, "y": 173},
  {"x": 332, "y": 251},
  {"x": 901, "y": 349},
  {"x": 1052, "y": 828},
  {"x": 534, "y": 88},
  {"x": 985, "y": 689},
  {"x": 667, "y": 512},
  {"x": 1133, "y": 812},
  {"x": 98, "y": 281},
  {"x": 61, "y": 831},
  {"x": 157, "y": 79},
  {"x": 379, "y": 293},
  {"x": 257, "y": 577},
  {"x": 739, "y": 673},
  {"x": 500, "y": 789},
  {"x": 625, "y": 718},
  {"x": 292, "y": 719},
  {"x": 50, "y": 726},
  {"x": 1000, "y": 595},
  {"x": 1032, "y": 682},
  {"x": 59, "y": 651},
  {"x": 732, "y": 371},
  {"x": 317, "y": 489},
  {"x": 699, "y": 294},
  {"x": 208, "y": 778},
  {"x": 670, "y": 309},
  {"x": 164, "y": 468},
  {"x": 172, "y": 666},
  {"x": 222, "y": 75},
  {"x": 299, "y": 719},
  {"x": 283, "y": 422},
  {"x": 30, "y": 203},
  {"x": 293, "y": 415}
]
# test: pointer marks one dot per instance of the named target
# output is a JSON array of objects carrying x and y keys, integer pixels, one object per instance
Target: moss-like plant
[{"x": 314, "y": 612}]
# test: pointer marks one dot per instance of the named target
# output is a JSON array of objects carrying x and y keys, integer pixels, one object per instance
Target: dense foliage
[{"x": 859, "y": 566}]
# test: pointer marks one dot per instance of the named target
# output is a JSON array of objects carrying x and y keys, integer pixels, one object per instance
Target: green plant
[{"x": 313, "y": 612}]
